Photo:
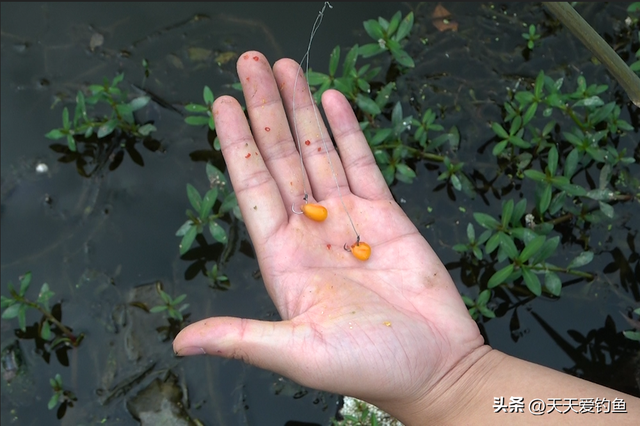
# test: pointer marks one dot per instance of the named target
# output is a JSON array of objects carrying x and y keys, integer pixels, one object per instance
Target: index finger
[{"x": 258, "y": 195}]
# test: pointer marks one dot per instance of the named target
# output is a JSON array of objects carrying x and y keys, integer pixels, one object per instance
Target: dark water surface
[{"x": 102, "y": 242}]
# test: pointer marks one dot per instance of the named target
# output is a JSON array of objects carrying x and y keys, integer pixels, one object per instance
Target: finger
[
  {"x": 270, "y": 127},
  {"x": 323, "y": 171},
  {"x": 363, "y": 174},
  {"x": 257, "y": 192},
  {"x": 264, "y": 344}
]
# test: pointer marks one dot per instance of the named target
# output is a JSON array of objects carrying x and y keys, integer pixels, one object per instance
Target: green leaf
[
  {"x": 165, "y": 297},
  {"x": 552, "y": 164},
  {"x": 217, "y": 232},
  {"x": 188, "y": 239},
  {"x": 107, "y": 128},
  {"x": 530, "y": 113},
  {"x": 553, "y": 283},
  {"x": 518, "y": 212},
  {"x": 484, "y": 297},
  {"x": 630, "y": 334},
  {"x": 499, "y": 130},
  {"x": 44, "y": 295},
  {"x": 460, "y": 248},
  {"x": 71, "y": 143},
  {"x": 592, "y": 101},
  {"x": 547, "y": 249},
  {"x": 524, "y": 98},
  {"x": 571, "y": 163},
  {"x": 207, "y": 95},
  {"x": 540, "y": 78},
  {"x": 12, "y": 311},
  {"x": 545, "y": 198},
  {"x": 370, "y": 49},
  {"x": 486, "y": 312},
  {"x": 508, "y": 246},
  {"x": 471, "y": 232},
  {"x": 374, "y": 29},
  {"x": 367, "y": 105},
  {"x": 145, "y": 129},
  {"x": 207, "y": 202},
  {"x": 405, "y": 27},
  {"x": 606, "y": 209},
  {"x": 317, "y": 78},
  {"x": 350, "y": 61},
  {"x": 179, "y": 299},
  {"x": 196, "y": 108},
  {"x": 394, "y": 23},
  {"x": 117, "y": 79},
  {"x": 22, "y": 317},
  {"x": 487, "y": 221},
  {"x": 405, "y": 170},
  {"x": 532, "y": 281},
  {"x": 402, "y": 58},
  {"x": 65, "y": 119},
  {"x": 184, "y": 228},
  {"x": 334, "y": 59},
  {"x": 500, "y": 276},
  {"x": 45, "y": 331},
  {"x": 507, "y": 211},
  {"x": 53, "y": 401},
  {"x": 229, "y": 202},
  {"x": 499, "y": 148},
  {"x": 6, "y": 302},
  {"x": 24, "y": 283},
  {"x": 55, "y": 134},
  {"x": 582, "y": 259},
  {"x": 532, "y": 248},
  {"x": 215, "y": 176},
  {"x": 158, "y": 308},
  {"x": 468, "y": 301},
  {"x": 196, "y": 120},
  {"x": 194, "y": 197},
  {"x": 139, "y": 102}
]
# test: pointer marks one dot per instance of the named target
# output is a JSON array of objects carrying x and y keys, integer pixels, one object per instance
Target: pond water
[{"x": 103, "y": 242}]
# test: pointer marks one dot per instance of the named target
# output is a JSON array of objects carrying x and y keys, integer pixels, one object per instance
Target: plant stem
[
  {"x": 414, "y": 151},
  {"x": 566, "y": 14},
  {"x": 50, "y": 318},
  {"x": 564, "y": 270}
]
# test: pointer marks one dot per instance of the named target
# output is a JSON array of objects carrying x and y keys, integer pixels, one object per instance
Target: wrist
[
  {"x": 466, "y": 394},
  {"x": 446, "y": 401}
]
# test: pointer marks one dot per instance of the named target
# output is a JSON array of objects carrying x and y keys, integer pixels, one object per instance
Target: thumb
[{"x": 265, "y": 344}]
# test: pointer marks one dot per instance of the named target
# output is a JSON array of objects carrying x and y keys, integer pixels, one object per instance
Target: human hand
[{"x": 384, "y": 330}]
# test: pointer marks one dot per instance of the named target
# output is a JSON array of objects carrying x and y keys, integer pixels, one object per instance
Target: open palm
[{"x": 391, "y": 325}]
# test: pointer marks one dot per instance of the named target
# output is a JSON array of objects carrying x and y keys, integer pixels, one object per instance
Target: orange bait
[
  {"x": 360, "y": 250},
  {"x": 314, "y": 211}
]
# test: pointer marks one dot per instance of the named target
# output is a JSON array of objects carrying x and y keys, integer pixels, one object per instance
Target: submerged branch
[{"x": 629, "y": 81}]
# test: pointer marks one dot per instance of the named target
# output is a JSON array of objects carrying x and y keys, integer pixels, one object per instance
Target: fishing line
[{"x": 305, "y": 59}]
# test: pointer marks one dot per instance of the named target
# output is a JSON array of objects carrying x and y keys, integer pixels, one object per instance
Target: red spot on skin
[
  {"x": 328, "y": 246},
  {"x": 256, "y": 154},
  {"x": 267, "y": 129},
  {"x": 248, "y": 155},
  {"x": 255, "y": 58},
  {"x": 307, "y": 142},
  {"x": 246, "y": 56},
  {"x": 319, "y": 149},
  {"x": 248, "y": 79}
]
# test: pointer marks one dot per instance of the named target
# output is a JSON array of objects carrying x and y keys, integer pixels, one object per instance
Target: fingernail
[{"x": 190, "y": 350}]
